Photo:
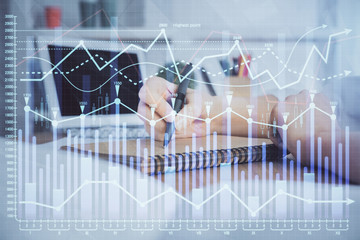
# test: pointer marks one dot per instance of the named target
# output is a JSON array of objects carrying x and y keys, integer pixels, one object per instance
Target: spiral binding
[{"x": 195, "y": 160}]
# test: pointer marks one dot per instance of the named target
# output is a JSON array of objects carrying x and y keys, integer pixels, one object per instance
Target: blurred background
[{"x": 275, "y": 22}]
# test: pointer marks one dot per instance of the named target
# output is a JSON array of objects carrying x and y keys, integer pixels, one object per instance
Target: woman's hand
[{"x": 156, "y": 93}]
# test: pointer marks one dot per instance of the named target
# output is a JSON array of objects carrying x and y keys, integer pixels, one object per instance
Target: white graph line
[
  {"x": 269, "y": 201},
  {"x": 107, "y": 105},
  {"x": 161, "y": 71},
  {"x": 299, "y": 116},
  {"x": 176, "y": 194},
  {"x": 265, "y": 124},
  {"x": 82, "y": 45},
  {"x": 239, "y": 116},
  {"x": 160, "y": 119},
  {"x": 322, "y": 111},
  {"x": 191, "y": 117},
  {"x": 143, "y": 117},
  {"x": 27, "y": 108},
  {"x": 313, "y": 49},
  {"x": 42, "y": 116},
  {"x": 89, "y": 113},
  {"x": 344, "y": 73},
  {"x": 55, "y": 122},
  {"x": 236, "y": 45},
  {"x": 220, "y": 114}
]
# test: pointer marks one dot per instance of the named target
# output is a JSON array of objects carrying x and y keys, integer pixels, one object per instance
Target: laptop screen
[{"x": 83, "y": 86}]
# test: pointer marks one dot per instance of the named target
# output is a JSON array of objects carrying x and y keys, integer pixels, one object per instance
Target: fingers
[{"x": 155, "y": 93}]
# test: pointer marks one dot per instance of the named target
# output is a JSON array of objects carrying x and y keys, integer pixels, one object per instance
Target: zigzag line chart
[{"x": 236, "y": 46}]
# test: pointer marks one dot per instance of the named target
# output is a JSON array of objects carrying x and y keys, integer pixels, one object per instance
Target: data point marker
[
  {"x": 54, "y": 123},
  {"x": 26, "y": 100},
  {"x": 250, "y": 111},
  {"x": 285, "y": 116},
  {"x": 207, "y": 109},
  {"x": 173, "y": 102},
  {"x": 117, "y": 87},
  {"x": 54, "y": 113},
  {"x": 228, "y": 99},
  {"x": 152, "y": 112},
  {"x": 333, "y": 109}
]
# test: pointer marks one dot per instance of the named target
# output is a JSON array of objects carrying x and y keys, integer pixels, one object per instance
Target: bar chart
[
  {"x": 59, "y": 186},
  {"x": 74, "y": 189}
]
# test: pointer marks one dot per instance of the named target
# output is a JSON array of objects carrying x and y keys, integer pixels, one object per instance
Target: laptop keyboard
[{"x": 132, "y": 132}]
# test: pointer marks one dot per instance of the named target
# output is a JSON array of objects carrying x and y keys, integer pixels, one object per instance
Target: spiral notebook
[{"x": 186, "y": 154}]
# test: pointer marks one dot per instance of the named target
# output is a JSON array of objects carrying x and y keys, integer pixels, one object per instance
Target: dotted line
[
  {"x": 155, "y": 74},
  {"x": 132, "y": 48},
  {"x": 82, "y": 64},
  {"x": 199, "y": 68},
  {"x": 138, "y": 41}
]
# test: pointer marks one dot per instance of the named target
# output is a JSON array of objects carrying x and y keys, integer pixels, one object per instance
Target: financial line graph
[
  {"x": 281, "y": 192},
  {"x": 207, "y": 120},
  {"x": 236, "y": 45},
  {"x": 168, "y": 69}
]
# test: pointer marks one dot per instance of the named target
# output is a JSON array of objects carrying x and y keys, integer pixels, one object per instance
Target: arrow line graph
[
  {"x": 236, "y": 45},
  {"x": 313, "y": 49},
  {"x": 176, "y": 194}
]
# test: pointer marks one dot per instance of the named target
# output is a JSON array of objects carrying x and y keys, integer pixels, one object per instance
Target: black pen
[
  {"x": 208, "y": 83},
  {"x": 179, "y": 101}
]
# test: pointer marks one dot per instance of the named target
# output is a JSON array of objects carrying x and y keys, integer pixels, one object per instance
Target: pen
[
  {"x": 225, "y": 66},
  {"x": 241, "y": 66},
  {"x": 207, "y": 80},
  {"x": 246, "y": 70},
  {"x": 179, "y": 101},
  {"x": 235, "y": 70}
]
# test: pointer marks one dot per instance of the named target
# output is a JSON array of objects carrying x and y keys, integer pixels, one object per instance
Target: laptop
[{"x": 86, "y": 76}]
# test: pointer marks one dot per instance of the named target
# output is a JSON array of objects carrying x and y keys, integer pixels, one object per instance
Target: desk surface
[{"x": 204, "y": 177}]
